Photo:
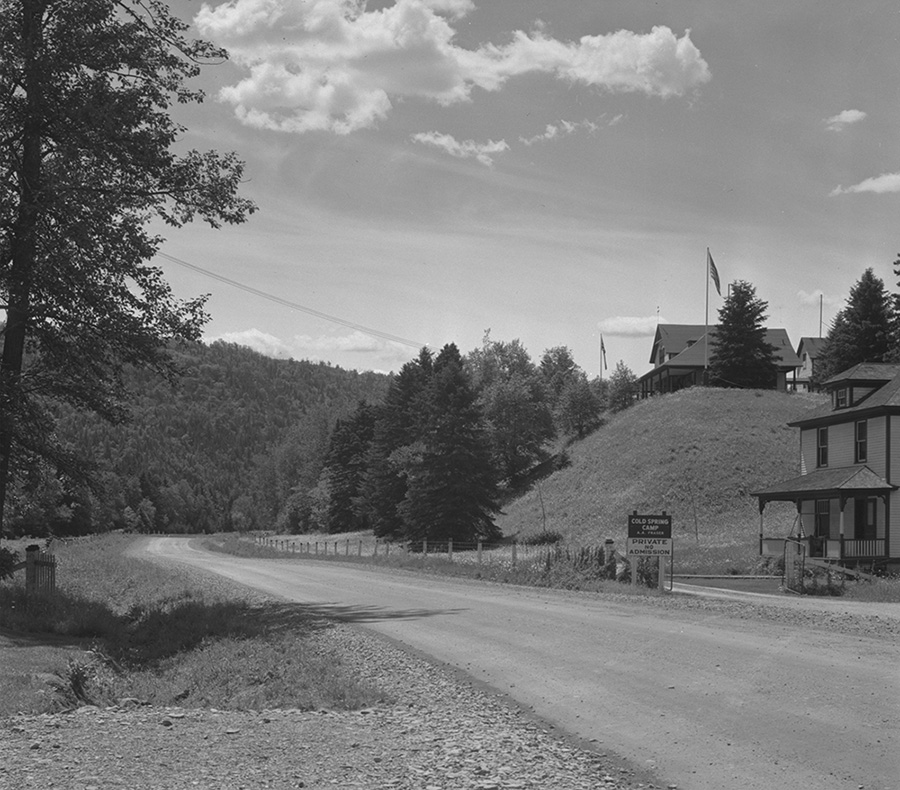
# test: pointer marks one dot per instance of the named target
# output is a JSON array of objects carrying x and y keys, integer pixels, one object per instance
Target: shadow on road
[{"x": 369, "y": 614}]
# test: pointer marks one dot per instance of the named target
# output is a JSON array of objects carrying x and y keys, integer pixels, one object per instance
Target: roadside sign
[
  {"x": 650, "y": 547},
  {"x": 650, "y": 526}
]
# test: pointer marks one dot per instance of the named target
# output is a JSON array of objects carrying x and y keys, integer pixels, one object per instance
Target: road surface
[{"x": 706, "y": 701}]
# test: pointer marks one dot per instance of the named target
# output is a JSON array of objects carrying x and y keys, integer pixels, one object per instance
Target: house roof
[
  {"x": 826, "y": 482},
  {"x": 812, "y": 345},
  {"x": 676, "y": 339},
  {"x": 868, "y": 373}
]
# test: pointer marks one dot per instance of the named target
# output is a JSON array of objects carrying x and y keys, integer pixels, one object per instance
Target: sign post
[{"x": 649, "y": 536}]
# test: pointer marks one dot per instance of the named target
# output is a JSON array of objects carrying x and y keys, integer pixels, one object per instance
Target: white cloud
[
  {"x": 814, "y": 297},
  {"x": 839, "y": 122},
  {"x": 564, "y": 127},
  {"x": 465, "y": 149},
  {"x": 885, "y": 183},
  {"x": 332, "y": 65},
  {"x": 630, "y": 326},
  {"x": 258, "y": 340}
]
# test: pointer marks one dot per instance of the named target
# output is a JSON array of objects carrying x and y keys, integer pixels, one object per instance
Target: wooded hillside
[{"x": 221, "y": 448}]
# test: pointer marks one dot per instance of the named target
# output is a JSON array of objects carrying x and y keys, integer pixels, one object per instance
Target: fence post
[
  {"x": 347, "y": 548},
  {"x": 375, "y": 553},
  {"x": 450, "y": 549},
  {"x": 425, "y": 549},
  {"x": 479, "y": 552},
  {"x": 514, "y": 547}
]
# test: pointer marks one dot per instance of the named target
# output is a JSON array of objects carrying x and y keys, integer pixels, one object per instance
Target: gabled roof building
[
  {"x": 679, "y": 356},
  {"x": 846, "y": 495}
]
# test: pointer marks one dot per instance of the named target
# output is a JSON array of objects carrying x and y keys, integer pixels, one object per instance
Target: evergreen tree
[
  {"x": 398, "y": 425},
  {"x": 346, "y": 465},
  {"x": 452, "y": 490},
  {"x": 861, "y": 332},
  {"x": 741, "y": 356}
]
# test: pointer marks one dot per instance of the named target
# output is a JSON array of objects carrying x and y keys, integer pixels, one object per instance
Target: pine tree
[
  {"x": 345, "y": 466},
  {"x": 861, "y": 332},
  {"x": 398, "y": 425},
  {"x": 741, "y": 356},
  {"x": 452, "y": 490}
]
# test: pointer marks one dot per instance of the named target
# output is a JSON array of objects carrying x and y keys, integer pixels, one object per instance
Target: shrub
[{"x": 548, "y": 537}]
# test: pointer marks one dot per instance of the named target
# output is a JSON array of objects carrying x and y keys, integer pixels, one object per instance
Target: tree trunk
[{"x": 23, "y": 241}]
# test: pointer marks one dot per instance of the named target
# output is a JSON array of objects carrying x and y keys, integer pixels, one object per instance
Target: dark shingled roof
[
  {"x": 867, "y": 373},
  {"x": 827, "y": 482}
]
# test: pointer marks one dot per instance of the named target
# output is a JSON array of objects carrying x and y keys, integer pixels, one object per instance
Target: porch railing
[{"x": 855, "y": 549}]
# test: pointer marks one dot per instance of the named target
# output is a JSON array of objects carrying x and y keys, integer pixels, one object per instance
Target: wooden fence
[{"x": 40, "y": 571}]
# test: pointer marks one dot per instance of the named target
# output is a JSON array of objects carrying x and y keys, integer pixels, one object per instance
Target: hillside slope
[{"x": 697, "y": 454}]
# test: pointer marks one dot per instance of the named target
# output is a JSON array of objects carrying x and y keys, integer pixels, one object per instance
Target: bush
[{"x": 548, "y": 537}]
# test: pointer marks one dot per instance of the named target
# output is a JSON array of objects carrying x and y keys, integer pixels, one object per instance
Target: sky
[{"x": 550, "y": 171}]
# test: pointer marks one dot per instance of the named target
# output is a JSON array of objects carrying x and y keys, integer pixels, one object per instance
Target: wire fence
[{"x": 602, "y": 561}]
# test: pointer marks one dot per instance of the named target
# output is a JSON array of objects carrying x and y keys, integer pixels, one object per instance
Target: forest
[{"x": 240, "y": 441}]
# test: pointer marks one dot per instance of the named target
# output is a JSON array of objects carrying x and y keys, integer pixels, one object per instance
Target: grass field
[
  {"x": 120, "y": 627},
  {"x": 697, "y": 454}
]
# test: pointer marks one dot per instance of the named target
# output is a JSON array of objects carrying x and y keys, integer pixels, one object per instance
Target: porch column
[{"x": 843, "y": 504}]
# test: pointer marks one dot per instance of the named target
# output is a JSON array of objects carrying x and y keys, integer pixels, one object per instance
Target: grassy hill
[{"x": 697, "y": 454}]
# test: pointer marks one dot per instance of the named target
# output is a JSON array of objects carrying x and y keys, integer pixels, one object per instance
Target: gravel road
[
  {"x": 533, "y": 689},
  {"x": 707, "y": 693}
]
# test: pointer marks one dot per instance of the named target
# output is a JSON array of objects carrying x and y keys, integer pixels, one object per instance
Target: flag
[
  {"x": 713, "y": 272},
  {"x": 603, "y": 352}
]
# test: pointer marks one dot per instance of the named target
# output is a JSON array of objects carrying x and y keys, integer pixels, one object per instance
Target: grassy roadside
[
  {"x": 732, "y": 562},
  {"x": 124, "y": 628}
]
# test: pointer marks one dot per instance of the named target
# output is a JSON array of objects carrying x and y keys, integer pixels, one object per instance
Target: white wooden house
[{"x": 846, "y": 494}]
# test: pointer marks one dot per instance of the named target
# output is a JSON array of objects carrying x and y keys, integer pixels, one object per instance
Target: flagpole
[{"x": 706, "y": 333}]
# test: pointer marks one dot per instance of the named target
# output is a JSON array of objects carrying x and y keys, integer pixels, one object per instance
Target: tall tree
[
  {"x": 515, "y": 401},
  {"x": 623, "y": 387},
  {"x": 398, "y": 424},
  {"x": 861, "y": 331},
  {"x": 345, "y": 467},
  {"x": 86, "y": 161},
  {"x": 452, "y": 491},
  {"x": 741, "y": 356}
]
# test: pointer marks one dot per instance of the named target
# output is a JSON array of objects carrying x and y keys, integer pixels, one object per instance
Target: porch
[{"x": 860, "y": 535}]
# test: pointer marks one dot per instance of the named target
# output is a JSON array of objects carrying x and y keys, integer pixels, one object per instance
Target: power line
[{"x": 292, "y": 305}]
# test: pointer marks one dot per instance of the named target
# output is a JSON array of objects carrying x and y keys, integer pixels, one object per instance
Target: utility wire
[{"x": 293, "y": 305}]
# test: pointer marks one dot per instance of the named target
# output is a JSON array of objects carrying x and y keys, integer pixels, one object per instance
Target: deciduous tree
[{"x": 87, "y": 159}]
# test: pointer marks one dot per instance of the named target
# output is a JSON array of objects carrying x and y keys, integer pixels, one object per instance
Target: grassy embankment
[
  {"x": 696, "y": 454},
  {"x": 122, "y": 627}
]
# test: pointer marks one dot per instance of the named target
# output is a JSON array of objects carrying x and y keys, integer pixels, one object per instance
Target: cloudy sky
[{"x": 551, "y": 170}]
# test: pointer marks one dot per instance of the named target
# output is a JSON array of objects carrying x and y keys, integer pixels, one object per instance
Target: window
[
  {"x": 841, "y": 400},
  {"x": 864, "y": 518},
  {"x": 862, "y": 434},
  {"x": 823, "y": 517},
  {"x": 822, "y": 447}
]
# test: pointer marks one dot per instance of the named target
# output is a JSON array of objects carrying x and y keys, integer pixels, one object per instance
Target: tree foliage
[
  {"x": 515, "y": 401},
  {"x": 741, "y": 356},
  {"x": 88, "y": 159},
  {"x": 451, "y": 483},
  {"x": 623, "y": 387},
  {"x": 861, "y": 331}
]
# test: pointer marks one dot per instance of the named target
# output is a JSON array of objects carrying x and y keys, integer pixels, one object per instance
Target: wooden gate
[
  {"x": 40, "y": 571},
  {"x": 794, "y": 564}
]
